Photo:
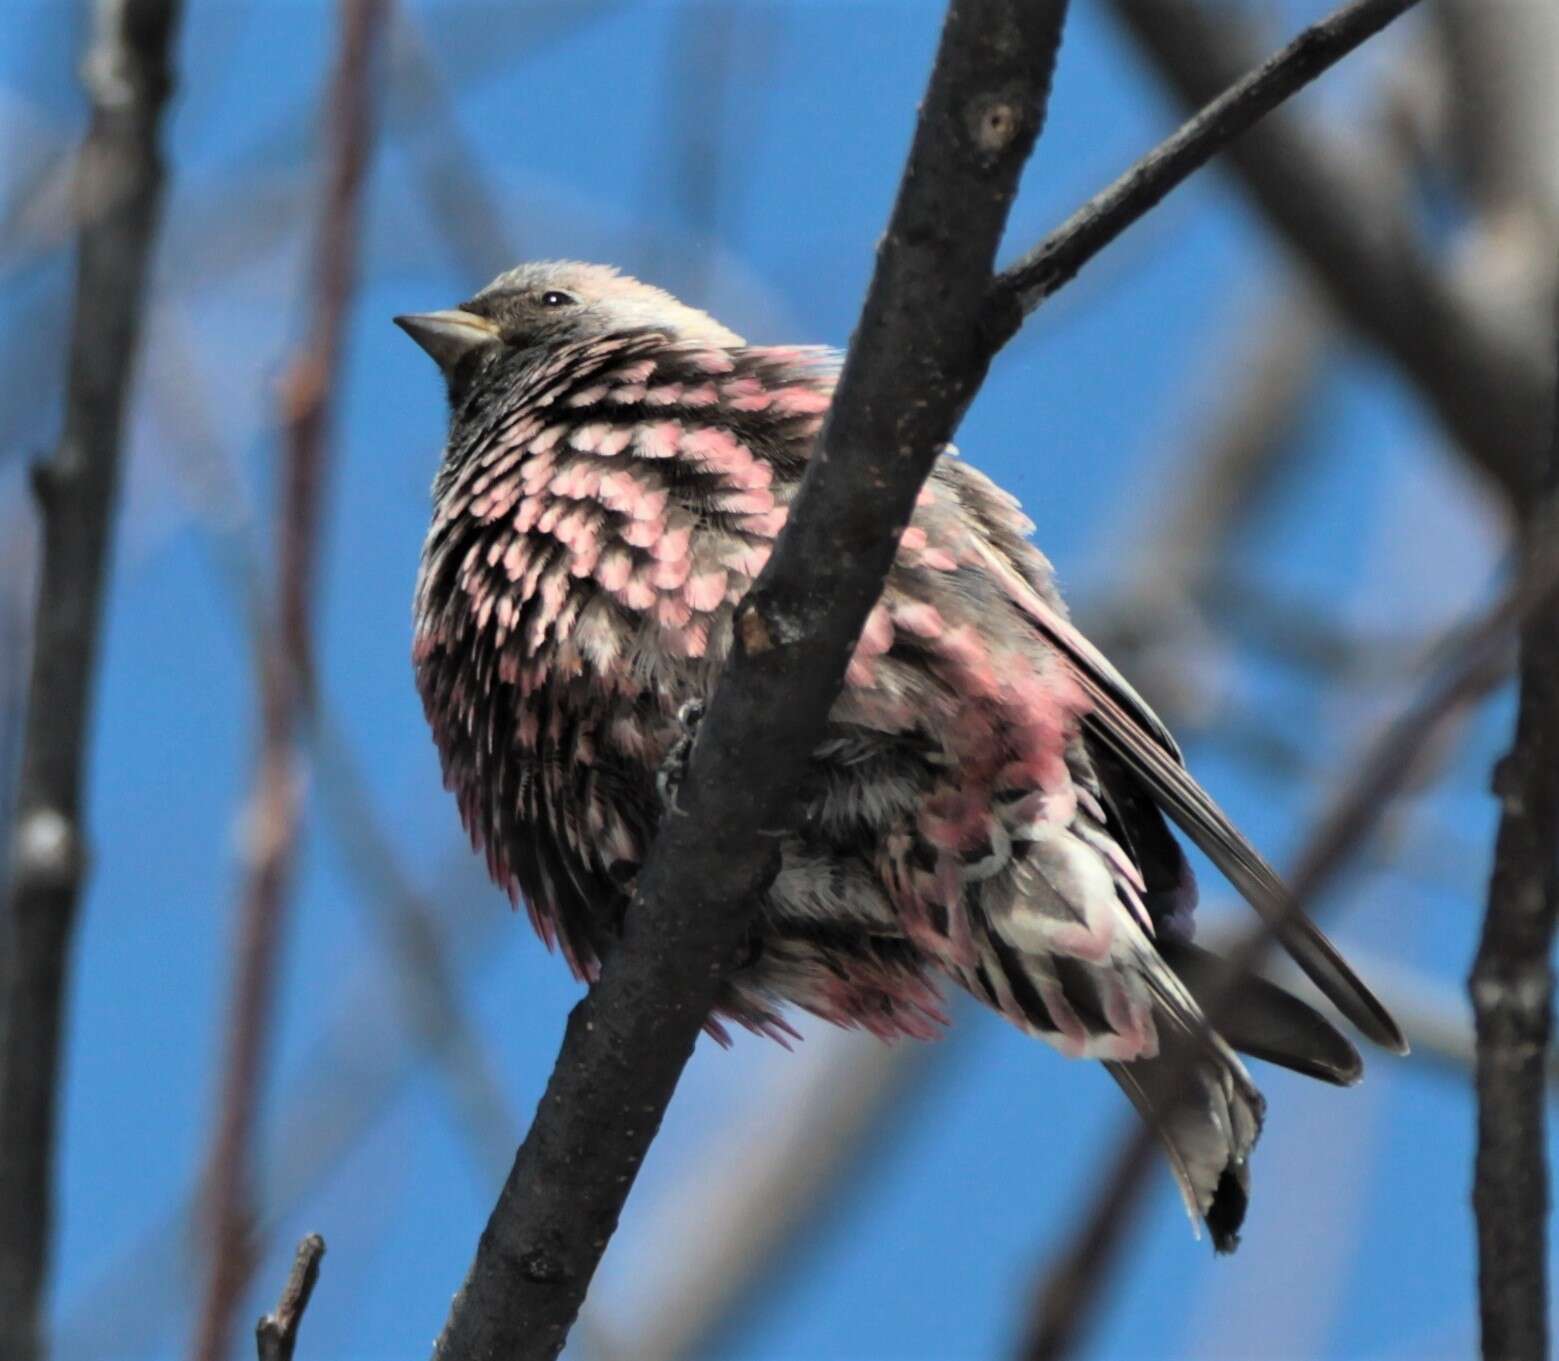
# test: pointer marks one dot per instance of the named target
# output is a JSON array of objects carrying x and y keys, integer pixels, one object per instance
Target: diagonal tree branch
[
  {"x": 917, "y": 359},
  {"x": 1228, "y": 114},
  {"x": 1473, "y": 363},
  {"x": 128, "y": 77},
  {"x": 1512, "y": 985},
  {"x": 286, "y": 673}
]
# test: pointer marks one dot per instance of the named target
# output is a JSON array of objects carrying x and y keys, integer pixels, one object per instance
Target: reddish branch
[
  {"x": 286, "y": 670},
  {"x": 119, "y": 179},
  {"x": 1512, "y": 983}
]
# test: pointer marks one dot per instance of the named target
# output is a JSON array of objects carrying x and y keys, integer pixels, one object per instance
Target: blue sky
[{"x": 1359, "y": 1240}]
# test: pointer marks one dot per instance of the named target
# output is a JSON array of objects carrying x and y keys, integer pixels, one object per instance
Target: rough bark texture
[
  {"x": 276, "y": 1334},
  {"x": 918, "y": 357},
  {"x": 118, "y": 193},
  {"x": 1512, "y": 987}
]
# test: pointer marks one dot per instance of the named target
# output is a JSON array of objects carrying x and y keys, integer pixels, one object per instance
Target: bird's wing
[{"x": 1123, "y": 721}]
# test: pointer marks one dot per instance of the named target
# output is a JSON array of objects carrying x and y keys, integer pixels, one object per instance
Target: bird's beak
[{"x": 449, "y": 336}]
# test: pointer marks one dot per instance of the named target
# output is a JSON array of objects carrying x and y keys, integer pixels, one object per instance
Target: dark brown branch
[
  {"x": 1512, "y": 988},
  {"x": 1474, "y": 663},
  {"x": 1471, "y": 362},
  {"x": 276, "y": 1334},
  {"x": 128, "y": 78},
  {"x": 917, "y": 359},
  {"x": 286, "y": 671}
]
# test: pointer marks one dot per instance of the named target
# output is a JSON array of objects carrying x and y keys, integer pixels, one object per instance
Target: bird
[{"x": 990, "y": 806}]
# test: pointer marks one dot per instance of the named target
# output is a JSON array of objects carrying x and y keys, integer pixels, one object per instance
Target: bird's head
[{"x": 550, "y": 303}]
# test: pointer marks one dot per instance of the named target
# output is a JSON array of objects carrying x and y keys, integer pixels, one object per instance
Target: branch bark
[
  {"x": 1471, "y": 363},
  {"x": 286, "y": 674},
  {"x": 128, "y": 77},
  {"x": 917, "y": 359},
  {"x": 1512, "y": 988},
  {"x": 276, "y": 1334}
]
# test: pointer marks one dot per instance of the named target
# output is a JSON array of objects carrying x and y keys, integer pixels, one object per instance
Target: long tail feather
[
  {"x": 1263, "y": 1020},
  {"x": 1208, "y": 1135}
]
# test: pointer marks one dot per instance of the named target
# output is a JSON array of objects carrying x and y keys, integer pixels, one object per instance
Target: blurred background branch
[
  {"x": 287, "y": 673},
  {"x": 128, "y": 75},
  {"x": 1480, "y": 368}
]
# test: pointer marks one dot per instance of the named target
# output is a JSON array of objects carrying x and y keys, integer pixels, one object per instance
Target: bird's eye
[{"x": 555, "y": 298}]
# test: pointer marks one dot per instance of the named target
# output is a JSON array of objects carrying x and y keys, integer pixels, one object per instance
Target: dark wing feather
[{"x": 1123, "y": 721}]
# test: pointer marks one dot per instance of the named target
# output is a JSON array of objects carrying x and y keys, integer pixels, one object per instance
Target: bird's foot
[{"x": 674, "y": 768}]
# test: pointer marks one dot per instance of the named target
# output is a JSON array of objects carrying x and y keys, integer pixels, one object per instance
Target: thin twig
[
  {"x": 1227, "y": 117},
  {"x": 917, "y": 359},
  {"x": 1471, "y": 360},
  {"x": 1468, "y": 672},
  {"x": 286, "y": 673},
  {"x": 276, "y": 1334},
  {"x": 128, "y": 78},
  {"x": 1512, "y": 986}
]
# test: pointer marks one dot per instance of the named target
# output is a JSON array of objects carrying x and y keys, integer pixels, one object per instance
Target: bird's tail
[{"x": 1208, "y": 1126}]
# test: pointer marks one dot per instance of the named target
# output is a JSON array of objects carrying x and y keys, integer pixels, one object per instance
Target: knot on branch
[
  {"x": 48, "y": 850},
  {"x": 545, "y": 1269},
  {"x": 994, "y": 121},
  {"x": 751, "y": 630},
  {"x": 1508, "y": 781},
  {"x": 762, "y": 625},
  {"x": 1523, "y": 992}
]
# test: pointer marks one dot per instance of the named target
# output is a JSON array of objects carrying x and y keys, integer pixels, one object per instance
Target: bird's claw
[{"x": 673, "y": 769}]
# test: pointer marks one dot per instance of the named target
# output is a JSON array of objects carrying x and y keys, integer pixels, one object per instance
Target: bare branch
[
  {"x": 1512, "y": 985},
  {"x": 1473, "y": 363},
  {"x": 276, "y": 1334},
  {"x": 286, "y": 673},
  {"x": 918, "y": 356},
  {"x": 1228, "y": 116},
  {"x": 128, "y": 78}
]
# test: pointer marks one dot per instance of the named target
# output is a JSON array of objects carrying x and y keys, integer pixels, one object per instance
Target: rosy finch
[{"x": 988, "y": 803}]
